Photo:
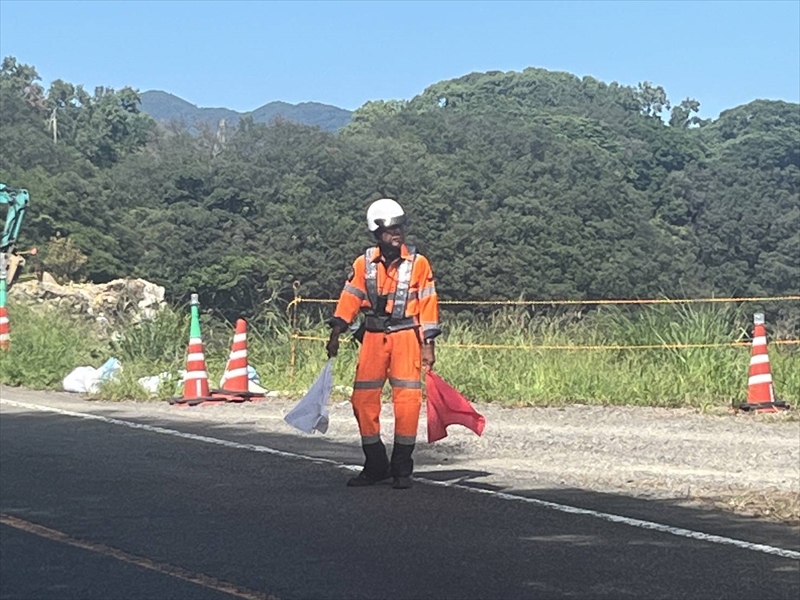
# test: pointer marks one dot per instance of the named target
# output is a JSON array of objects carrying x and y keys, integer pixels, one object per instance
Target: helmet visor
[{"x": 397, "y": 221}]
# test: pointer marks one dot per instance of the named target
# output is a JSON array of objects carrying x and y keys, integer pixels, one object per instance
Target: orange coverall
[{"x": 395, "y": 354}]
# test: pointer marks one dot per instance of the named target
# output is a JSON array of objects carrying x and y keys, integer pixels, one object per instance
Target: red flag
[{"x": 447, "y": 407}]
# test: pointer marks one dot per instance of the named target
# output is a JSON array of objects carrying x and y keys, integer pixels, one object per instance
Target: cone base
[
  {"x": 237, "y": 396},
  {"x": 773, "y": 406},
  {"x": 199, "y": 401}
]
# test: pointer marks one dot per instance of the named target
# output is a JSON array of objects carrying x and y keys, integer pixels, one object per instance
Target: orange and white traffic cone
[
  {"x": 760, "y": 390},
  {"x": 234, "y": 386},
  {"x": 5, "y": 334},
  {"x": 195, "y": 380}
]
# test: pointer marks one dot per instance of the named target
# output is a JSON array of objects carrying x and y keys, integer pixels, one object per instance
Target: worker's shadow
[{"x": 460, "y": 476}]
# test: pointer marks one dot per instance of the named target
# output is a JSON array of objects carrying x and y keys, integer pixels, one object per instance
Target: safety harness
[{"x": 376, "y": 317}]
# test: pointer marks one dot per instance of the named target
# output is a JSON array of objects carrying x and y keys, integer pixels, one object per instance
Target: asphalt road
[{"x": 91, "y": 509}]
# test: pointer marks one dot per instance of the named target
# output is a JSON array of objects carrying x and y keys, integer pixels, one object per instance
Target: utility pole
[
  {"x": 221, "y": 140},
  {"x": 53, "y": 124}
]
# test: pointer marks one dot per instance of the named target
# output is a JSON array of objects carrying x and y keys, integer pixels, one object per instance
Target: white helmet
[{"x": 385, "y": 213}]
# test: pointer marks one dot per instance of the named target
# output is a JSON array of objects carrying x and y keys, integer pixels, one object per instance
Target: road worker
[{"x": 393, "y": 286}]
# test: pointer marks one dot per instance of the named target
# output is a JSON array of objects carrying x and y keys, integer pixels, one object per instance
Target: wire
[
  {"x": 300, "y": 299},
  {"x": 593, "y": 348}
]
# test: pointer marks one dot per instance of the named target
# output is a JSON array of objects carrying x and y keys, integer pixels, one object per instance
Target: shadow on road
[{"x": 672, "y": 512}]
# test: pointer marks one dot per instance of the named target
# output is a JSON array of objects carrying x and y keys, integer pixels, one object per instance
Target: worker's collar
[{"x": 404, "y": 253}]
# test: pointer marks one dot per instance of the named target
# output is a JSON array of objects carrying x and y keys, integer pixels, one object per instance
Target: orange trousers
[{"x": 396, "y": 355}]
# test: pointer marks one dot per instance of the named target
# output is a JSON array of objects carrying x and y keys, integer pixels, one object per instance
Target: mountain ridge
[{"x": 165, "y": 107}]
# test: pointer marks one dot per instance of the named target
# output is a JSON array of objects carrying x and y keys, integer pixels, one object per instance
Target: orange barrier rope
[
  {"x": 291, "y": 311},
  {"x": 608, "y": 347},
  {"x": 630, "y": 301},
  {"x": 300, "y": 299}
]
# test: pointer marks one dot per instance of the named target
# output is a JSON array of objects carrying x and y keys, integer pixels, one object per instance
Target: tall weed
[{"x": 47, "y": 346}]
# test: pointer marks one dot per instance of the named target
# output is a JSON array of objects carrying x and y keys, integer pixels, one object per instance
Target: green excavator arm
[{"x": 11, "y": 260}]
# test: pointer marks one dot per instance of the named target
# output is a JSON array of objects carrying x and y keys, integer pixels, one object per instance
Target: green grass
[{"x": 45, "y": 347}]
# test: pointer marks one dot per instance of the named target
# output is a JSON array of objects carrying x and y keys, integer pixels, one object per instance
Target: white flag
[{"x": 311, "y": 413}]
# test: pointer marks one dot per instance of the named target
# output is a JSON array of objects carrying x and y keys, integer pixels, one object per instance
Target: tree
[
  {"x": 652, "y": 99},
  {"x": 681, "y": 114},
  {"x": 63, "y": 259}
]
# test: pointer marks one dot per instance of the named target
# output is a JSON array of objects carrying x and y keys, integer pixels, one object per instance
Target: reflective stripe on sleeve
[
  {"x": 427, "y": 292},
  {"x": 361, "y": 295}
]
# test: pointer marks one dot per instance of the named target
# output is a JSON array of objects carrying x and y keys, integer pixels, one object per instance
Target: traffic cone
[
  {"x": 195, "y": 380},
  {"x": 5, "y": 335},
  {"x": 234, "y": 386},
  {"x": 760, "y": 391}
]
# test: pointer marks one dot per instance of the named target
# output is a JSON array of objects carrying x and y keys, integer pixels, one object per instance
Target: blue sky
[{"x": 241, "y": 55}]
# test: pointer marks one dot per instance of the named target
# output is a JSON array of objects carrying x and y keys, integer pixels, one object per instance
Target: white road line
[
  {"x": 140, "y": 561},
  {"x": 565, "y": 508}
]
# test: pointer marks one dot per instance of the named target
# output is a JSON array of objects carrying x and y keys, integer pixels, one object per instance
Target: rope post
[{"x": 293, "y": 322}]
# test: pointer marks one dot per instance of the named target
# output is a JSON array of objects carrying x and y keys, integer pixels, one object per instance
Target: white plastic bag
[
  {"x": 87, "y": 379},
  {"x": 152, "y": 384},
  {"x": 81, "y": 380},
  {"x": 311, "y": 413}
]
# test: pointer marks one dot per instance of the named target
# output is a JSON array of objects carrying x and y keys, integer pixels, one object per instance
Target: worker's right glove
[{"x": 428, "y": 356}]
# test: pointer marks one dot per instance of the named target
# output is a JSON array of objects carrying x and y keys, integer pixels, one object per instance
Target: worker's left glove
[
  {"x": 428, "y": 356},
  {"x": 332, "y": 347}
]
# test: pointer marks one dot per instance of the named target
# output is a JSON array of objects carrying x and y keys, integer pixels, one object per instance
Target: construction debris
[{"x": 121, "y": 300}]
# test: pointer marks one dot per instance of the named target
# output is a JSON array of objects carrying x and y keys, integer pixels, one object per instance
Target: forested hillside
[{"x": 527, "y": 184}]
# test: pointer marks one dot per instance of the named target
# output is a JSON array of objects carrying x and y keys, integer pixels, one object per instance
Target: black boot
[
  {"x": 402, "y": 465},
  {"x": 376, "y": 466}
]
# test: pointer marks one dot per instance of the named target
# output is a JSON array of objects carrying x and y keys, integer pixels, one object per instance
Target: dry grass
[{"x": 776, "y": 506}]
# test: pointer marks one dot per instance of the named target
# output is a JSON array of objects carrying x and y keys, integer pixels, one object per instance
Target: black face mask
[{"x": 388, "y": 251}]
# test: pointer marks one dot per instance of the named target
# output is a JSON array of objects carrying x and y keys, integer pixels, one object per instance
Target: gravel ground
[{"x": 744, "y": 463}]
